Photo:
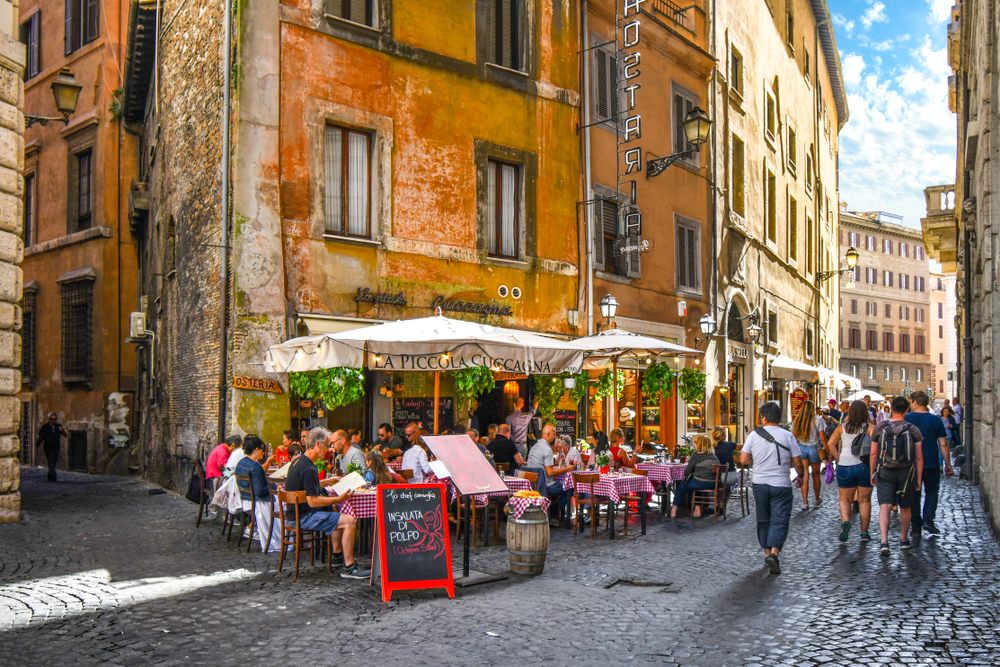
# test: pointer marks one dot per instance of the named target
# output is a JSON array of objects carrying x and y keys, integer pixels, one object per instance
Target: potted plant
[
  {"x": 604, "y": 461},
  {"x": 469, "y": 384},
  {"x": 691, "y": 385},
  {"x": 658, "y": 382},
  {"x": 354, "y": 466}
]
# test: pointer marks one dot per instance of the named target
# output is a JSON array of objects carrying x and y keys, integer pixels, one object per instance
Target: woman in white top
[
  {"x": 808, "y": 431},
  {"x": 850, "y": 447}
]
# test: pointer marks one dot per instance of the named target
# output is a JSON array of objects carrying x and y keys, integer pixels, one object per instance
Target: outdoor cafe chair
[
  {"x": 406, "y": 473},
  {"x": 718, "y": 496},
  {"x": 204, "y": 494},
  {"x": 630, "y": 498},
  {"x": 248, "y": 518},
  {"x": 530, "y": 476},
  {"x": 293, "y": 534},
  {"x": 593, "y": 501}
]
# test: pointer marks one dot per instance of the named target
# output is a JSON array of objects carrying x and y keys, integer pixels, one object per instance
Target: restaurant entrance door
[
  {"x": 495, "y": 405},
  {"x": 737, "y": 401}
]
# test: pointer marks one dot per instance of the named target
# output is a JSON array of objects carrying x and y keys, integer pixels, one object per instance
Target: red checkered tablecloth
[
  {"x": 512, "y": 483},
  {"x": 361, "y": 505},
  {"x": 664, "y": 472},
  {"x": 397, "y": 464},
  {"x": 615, "y": 485},
  {"x": 519, "y": 505}
]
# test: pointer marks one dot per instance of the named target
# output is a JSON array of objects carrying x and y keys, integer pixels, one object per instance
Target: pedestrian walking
[
  {"x": 50, "y": 438},
  {"x": 772, "y": 451},
  {"x": 934, "y": 445},
  {"x": 850, "y": 446},
  {"x": 808, "y": 430},
  {"x": 897, "y": 464}
]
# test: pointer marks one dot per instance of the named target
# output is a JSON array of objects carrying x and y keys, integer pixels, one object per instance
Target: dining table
[{"x": 614, "y": 486}]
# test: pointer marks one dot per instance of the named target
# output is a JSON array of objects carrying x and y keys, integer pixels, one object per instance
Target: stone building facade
[
  {"x": 779, "y": 102},
  {"x": 944, "y": 338},
  {"x": 885, "y": 318},
  {"x": 12, "y": 60},
  {"x": 79, "y": 259},
  {"x": 424, "y": 112}
]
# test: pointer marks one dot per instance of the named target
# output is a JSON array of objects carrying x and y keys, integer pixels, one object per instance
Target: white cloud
[
  {"x": 940, "y": 11},
  {"x": 844, "y": 23},
  {"x": 882, "y": 46},
  {"x": 874, "y": 14},
  {"x": 901, "y": 136}
]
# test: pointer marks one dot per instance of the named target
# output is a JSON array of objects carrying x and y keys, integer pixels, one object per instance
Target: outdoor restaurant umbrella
[
  {"x": 426, "y": 344},
  {"x": 614, "y": 343},
  {"x": 859, "y": 395}
]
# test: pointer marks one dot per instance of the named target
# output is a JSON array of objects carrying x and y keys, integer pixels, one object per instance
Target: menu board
[
  {"x": 421, "y": 409},
  {"x": 566, "y": 422},
  {"x": 797, "y": 398},
  {"x": 470, "y": 472},
  {"x": 411, "y": 547}
]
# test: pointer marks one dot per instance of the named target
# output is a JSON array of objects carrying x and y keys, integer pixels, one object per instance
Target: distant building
[
  {"x": 885, "y": 316},
  {"x": 944, "y": 339}
]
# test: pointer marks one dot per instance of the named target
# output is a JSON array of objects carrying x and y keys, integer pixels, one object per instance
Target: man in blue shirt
[{"x": 935, "y": 443}]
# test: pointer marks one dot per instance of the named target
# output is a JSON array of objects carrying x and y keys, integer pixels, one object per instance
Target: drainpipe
[
  {"x": 586, "y": 171},
  {"x": 224, "y": 243},
  {"x": 969, "y": 469}
]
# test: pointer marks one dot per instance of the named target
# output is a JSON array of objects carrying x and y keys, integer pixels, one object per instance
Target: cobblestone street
[{"x": 100, "y": 571}]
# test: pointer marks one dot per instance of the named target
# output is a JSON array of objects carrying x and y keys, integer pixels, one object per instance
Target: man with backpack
[
  {"x": 897, "y": 465},
  {"x": 934, "y": 437},
  {"x": 772, "y": 450}
]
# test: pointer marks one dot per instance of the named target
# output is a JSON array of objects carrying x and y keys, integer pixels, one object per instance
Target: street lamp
[
  {"x": 852, "y": 261},
  {"x": 707, "y": 326},
  {"x": 753, "y": 333},
  {"x": 66, "y": 91},
  {"x": 696, "y": 127},
  {"x": 609, "y": 308}
]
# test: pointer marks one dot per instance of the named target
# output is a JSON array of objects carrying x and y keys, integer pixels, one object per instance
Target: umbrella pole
[
  {"x": 614, "y": 385},
  {"x": 638, "y": 405},
  {"x": 437, "y": 398}
]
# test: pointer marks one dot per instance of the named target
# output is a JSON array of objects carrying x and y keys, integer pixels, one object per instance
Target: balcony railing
[{"x": 674, "y": 12}]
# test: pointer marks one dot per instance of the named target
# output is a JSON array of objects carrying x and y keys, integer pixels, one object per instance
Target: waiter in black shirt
[{"x": 50, "y": 437}]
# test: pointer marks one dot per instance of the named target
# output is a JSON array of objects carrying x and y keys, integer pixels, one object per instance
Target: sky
[{"x": 900, "y": 137}]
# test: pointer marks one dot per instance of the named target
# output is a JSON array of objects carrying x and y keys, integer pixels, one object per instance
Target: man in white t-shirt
[{"x": 772, "y": 451}]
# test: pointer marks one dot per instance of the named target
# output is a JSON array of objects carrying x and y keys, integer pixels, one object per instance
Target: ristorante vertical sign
[{"x": 628, "y": 37}]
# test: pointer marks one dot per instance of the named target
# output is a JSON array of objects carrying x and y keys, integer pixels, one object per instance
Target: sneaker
[
  {"x": 884, "y": 549},
  {"x": 805, "y": 507},
  {"x": 931, "y": 528},
  {"x": 337, "y": 560},
  {"x": 772, "y": 564},
  {"x": 865, "y": 537},
  {"x": 915, "y": 531},
  {"x": 904, "y": 544},
  {"x": 819, "y": 501},
  {"x": 845, "y": 530},
  {"x": 354, "y": 571}
]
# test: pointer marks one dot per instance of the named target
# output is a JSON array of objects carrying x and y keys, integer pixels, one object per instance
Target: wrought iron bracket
[
  {"x": 823, "y": 276},
  {"x": 30, "y": 120},
  {"x": 657, "y": 166}
]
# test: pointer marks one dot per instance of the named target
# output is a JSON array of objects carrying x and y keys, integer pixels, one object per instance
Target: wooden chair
[
  {"x": 205, "y": 495},
  {"x": 406, "y": 473},
  {"x": 248, "y": 519},
  {"x": 295, "y": 535},
  {"x": 718, "y": 496},
  {"x": 477, "y": 518},
  {"x": 530, "y": 476},
  {"x": 631, "y": 497},
  {"x": 229, "y": 520},
  {"x": 744, "y": 494},
  {"x": 589, "y": 479}
]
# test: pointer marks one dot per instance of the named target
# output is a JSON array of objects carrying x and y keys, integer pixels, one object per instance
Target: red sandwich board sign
[{"x": 411, "y": 548}]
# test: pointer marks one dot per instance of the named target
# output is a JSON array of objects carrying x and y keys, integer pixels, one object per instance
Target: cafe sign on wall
[{"x": 257, "y": 384}]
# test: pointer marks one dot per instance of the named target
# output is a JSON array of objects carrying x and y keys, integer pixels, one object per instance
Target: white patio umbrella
[
  {"x": 614, "y": 343},
  {"x": 860, "y": 395},
  {"x": 426, "y": 344}
]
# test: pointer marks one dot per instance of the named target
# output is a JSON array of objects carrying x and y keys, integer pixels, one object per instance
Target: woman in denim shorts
[
  {"x": 808, "y": 431},
  {"x": 850, "y": 446}
]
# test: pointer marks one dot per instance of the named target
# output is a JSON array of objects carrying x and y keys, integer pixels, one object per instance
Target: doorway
[
  {"x": 497, "y": 404},
  {"x": 736, "y": 402},
  {"x": 78, "y": 450}
]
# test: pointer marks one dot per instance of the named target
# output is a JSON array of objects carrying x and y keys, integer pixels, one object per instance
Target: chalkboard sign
[
  {"x": 421, "y": 409},
  {"x": 565, "y": 422},
  {"x": 411, "y": 547}
]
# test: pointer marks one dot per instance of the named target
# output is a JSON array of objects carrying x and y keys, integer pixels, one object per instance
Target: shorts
[
  {"x": 896, "y": 486},
  {"x": 322, "y": 522},
  {"x": 852, "y": 477},
  {"x": 810, "y": 454}
]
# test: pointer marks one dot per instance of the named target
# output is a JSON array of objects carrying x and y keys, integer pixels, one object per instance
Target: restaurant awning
[
  {"x": 840, "y": 380},
  {"x": 786, "y": 368},
  {"x": 426, "y": 344},
  {"x": 614, "y": 343}
]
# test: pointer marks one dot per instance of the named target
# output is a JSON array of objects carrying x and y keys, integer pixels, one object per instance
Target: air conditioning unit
[{"x": 137, "y": 325}]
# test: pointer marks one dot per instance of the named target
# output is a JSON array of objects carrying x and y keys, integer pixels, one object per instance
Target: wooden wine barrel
[{"x": 528, "y": 541}]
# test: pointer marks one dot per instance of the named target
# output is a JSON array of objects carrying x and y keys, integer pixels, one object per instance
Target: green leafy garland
[
  {"x": 469, "y": 384},
  {"x": 548, "y": 390},
  {"x": 577, "y": 393},
  {"x": 604, "y": 388},
  {"x": 691, "y": 386},
  {"x": 658, "y": 382},
  {"x": 334, "y": 386}
]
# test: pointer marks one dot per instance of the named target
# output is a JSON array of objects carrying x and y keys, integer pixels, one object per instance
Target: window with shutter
[
  {"x": 736, "y": 71},
  {"x": 355, "y": 11},
  {"x": 684, "y": 101},
  {"x": 605, "y": 85},
  {"x": 82, "y": 23},
  {"x": 607, "y": 257},
  {"x": 31, "y": 38},
  {"x": 770, "y": 117},
  {"x": 809, "y": 244},
  {"x": 793, "y": 229},
  {"x": 888, "y": 311},
  {"x": 792, "y": 149},
  {"x": 739, "y": 177},
  {"x": 688, "y": 240},
  {"x": 91, "y": 29},
  {"x": 771, "y": 205},
  {"x": 503, "y": 33}
]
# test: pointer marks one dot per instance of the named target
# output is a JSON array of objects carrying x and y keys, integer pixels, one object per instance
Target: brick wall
[{"x": 11, "y": 184}]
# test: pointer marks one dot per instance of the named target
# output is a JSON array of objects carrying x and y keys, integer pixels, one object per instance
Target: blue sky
[{"x": 901, "y": 136}]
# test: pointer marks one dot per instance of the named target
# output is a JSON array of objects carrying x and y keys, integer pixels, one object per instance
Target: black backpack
[
  {"x": 895, "y": 447},
  {"x": 829, "y": 426}
]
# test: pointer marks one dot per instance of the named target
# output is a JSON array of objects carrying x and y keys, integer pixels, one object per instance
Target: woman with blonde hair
[
  {"x": 808, "y": 431},
  {"x": 698, "y": 476}
]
